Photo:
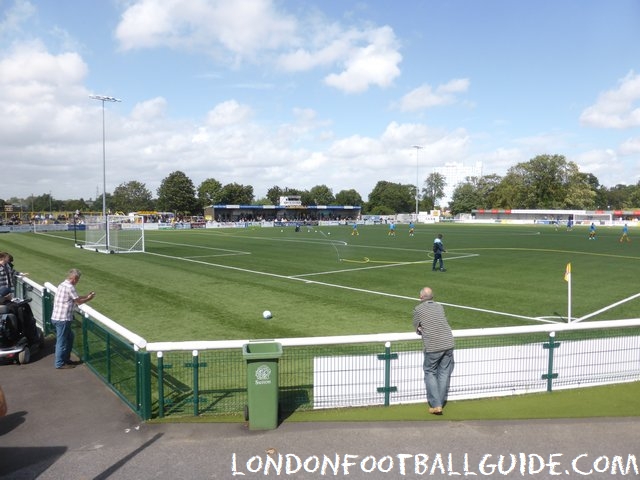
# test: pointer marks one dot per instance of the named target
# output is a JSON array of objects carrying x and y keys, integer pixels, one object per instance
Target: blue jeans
[
  {"x": 64, "y": 342},
  {"x": 437, "y": 374}
]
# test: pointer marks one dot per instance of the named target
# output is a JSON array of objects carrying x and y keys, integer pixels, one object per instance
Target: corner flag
[{"x": 567, "y": 278}]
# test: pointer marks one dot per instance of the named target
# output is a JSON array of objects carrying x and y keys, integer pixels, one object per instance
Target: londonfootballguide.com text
[{"x": 516, "y": 464}]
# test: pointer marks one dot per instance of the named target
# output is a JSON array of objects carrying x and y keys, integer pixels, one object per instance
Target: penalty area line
[
  {"x": 347, "y": 270},
  {"x": 345, "y": 287}
]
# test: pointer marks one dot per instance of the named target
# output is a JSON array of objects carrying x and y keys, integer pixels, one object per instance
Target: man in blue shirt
[{"x": 625, "y": 234}]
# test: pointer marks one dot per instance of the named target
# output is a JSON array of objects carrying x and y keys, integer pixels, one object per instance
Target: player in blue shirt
[{"x": 625, "y": 234}]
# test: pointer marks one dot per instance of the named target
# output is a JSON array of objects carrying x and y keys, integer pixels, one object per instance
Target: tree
[
  {"x": 306, "y": 198},
  {"x": 433, "y": 190},
  {"x": 486, "y": 186},
  {"x": 465, "y": 198},
  {"x": 546, "y": 181},
  {"x": 578, "y": 191},
  {"x": 210, "y": 192},
  {"x": 262, "y": 201},
  {"x": 348, "y": 197},
  {"x": 177, "y": 194},
  {"x": 616, "y": 197},
  {"x": 234, "y": 193},
  {"x": 42, "y": 203},
  {"x": 274, "y": 194},
  {"x": 388, "y": 198},
  {"x": 131, "y": 197},
  {"x": 321, "y": 195},
  {"x": 96, "y": 205}
]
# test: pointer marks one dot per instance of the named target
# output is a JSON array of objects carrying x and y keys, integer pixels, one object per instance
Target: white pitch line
[
  {"x": 609, "y": 307},
  {"x": 398, "y": 264},
  {"x": 213, "y": 255},
  {"x": 231, "y": 252},
  {"x": 319, "y": 241},
  {"x": 347, "y": 270},
  {"x": 344, "y": 287}
]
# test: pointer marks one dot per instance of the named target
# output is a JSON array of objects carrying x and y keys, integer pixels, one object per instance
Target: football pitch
[{"x": 214, "y": 284}]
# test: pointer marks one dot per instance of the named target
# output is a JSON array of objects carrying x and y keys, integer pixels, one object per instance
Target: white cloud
[
  {"x": 605, "y": 165},
  {"x": 256, "y": 31},
  {"x": 630, "y": 146},
  {"x": 38, "y": 93},
  {"x": 15, "y": 16},
  {"x": 375, "y": 63},
  {"x": 241, "y": 28},
  {"x": 426, "y": 97},
  {"x": 616, "y": 108},
  {"x": 149, "y": 110},
  {"x": 365, "y": 57},
  {"x": 228, "y": 113}
]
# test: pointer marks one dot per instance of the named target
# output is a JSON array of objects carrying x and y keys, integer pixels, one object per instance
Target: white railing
[{"x": 522, "y": 359}]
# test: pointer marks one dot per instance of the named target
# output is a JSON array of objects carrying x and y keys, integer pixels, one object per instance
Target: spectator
[
  {"x": 6, "y": 278},
  {"x": 64, "y": 303},
  {"x": 3, "y": 404},
  {"x": 430, "y": 322}
]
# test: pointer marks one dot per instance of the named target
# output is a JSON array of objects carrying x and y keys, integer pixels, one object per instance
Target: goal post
[
  {"x": 114, "y": 234},
  {"x": 588, "y": 218}
]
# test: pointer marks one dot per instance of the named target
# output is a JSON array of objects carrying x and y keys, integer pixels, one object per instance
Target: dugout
[{"x": 550, "y": 217}]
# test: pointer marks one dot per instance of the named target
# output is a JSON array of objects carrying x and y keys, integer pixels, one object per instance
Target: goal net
[
  {"x": 589, "y": 218},
  {"x": 115, "y": 234}
]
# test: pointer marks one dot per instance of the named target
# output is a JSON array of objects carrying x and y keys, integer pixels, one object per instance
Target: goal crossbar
[{"x": 115, "y": 234}]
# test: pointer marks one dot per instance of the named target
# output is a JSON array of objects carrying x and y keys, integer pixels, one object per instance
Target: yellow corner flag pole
[{"x": 567, "y": 278}]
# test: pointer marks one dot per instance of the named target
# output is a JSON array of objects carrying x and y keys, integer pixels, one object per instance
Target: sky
[{"x": 321, "y": 92}]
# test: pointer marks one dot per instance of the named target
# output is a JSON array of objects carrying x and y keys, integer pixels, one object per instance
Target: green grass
[
  {"x": 606, "y": 401},
  {"x": 214, "y": 284}
]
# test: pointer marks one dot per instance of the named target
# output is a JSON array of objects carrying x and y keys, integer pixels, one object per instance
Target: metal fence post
[
  {"x": 160, "y": 384},
  {"x": 143, "y": 364},
  {"x": 85, "y": 338},
  {"x": 196, "y": 388},
  {"x": 47, "y": 310},
  {"x": 387, "y": 356},
  {"x": 551, "y": 346}
]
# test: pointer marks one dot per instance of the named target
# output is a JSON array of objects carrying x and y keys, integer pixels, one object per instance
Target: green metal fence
[{"x": 209, "y": 378}]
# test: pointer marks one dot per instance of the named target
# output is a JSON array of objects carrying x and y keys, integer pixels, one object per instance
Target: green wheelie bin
[{"x": 262, "y": 384}]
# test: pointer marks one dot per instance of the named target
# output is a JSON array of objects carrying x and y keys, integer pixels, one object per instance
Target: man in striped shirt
[
  {"x": 62, "y": 315},
  {"x": 431, "y": 323}
]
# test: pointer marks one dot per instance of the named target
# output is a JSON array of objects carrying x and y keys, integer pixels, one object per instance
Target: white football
[{"x": 267, "y": 314}]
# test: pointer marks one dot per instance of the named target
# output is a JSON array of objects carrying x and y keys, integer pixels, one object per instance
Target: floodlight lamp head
[{"x": 104, "y": 98}]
